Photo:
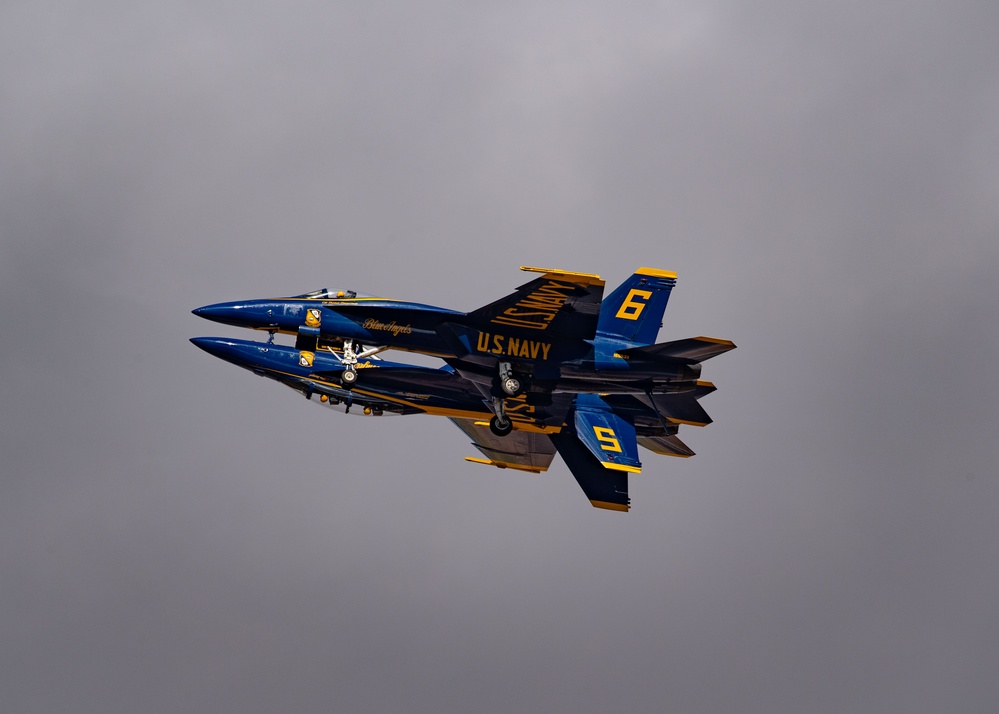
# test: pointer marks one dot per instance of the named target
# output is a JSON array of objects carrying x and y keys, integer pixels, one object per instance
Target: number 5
[{"x": 607, "y": 438}]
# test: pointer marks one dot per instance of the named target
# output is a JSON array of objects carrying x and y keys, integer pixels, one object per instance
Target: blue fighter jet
[
  {"x": 598, "y": 437},
  {"x": 555, "y": 334}
]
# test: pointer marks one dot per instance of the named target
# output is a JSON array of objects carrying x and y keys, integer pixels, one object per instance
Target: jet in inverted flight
[{"x": 597, "y": 436}]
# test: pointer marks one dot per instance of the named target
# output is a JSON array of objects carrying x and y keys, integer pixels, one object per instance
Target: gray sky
[{"x": 176, "y": 535}]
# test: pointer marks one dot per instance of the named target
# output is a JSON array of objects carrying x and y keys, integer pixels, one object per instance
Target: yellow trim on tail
[
  {"x": 715, "y": 340},
  {"x": 674, "y": 420},
  {"x": 610, "y": 506},
  {"x": 621, "y": 467},
  {"x": 656, "y": 273}
]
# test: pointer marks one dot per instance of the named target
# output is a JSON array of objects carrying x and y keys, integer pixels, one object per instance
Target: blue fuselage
[
  {"x": 397, "y": 388},
  {"x": 389, "y": 387},
  {"x": 561, "y": 366}
]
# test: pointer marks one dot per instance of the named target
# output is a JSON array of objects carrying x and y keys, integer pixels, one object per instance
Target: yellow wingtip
[
  {"x": 584, "y": 278},
  {"x": 501, "y": 465}
]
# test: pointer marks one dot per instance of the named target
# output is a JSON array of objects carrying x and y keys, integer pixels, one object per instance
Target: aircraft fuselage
[{"x": 559, "y": 366}]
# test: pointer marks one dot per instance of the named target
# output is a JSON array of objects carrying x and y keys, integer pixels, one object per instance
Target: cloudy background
[{"x": 176, "y": 535}]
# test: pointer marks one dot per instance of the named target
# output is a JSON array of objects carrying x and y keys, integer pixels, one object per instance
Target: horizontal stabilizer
[
  {"x": 692, "y": 349},
  {"x": 703, "y": 388},
  {"x": 666, "y": 446},
  {"x": 680, "y": 409}
]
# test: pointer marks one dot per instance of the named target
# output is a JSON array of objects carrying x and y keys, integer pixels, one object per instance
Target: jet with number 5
[
  {"x": 597, "y": 437},
  {"x": 554, "y": 334}
]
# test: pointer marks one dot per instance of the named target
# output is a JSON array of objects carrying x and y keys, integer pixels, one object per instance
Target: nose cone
[
  {"x": 262, "y": 358},
  {"x": 234, "y": 351},
  {"x": 255, "y": 314}
]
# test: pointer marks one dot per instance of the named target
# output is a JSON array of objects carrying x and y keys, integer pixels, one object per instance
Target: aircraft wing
[
  {"x": 558, "y": 303},
  {"x": 521, "y": 450},
  {"x": 533, "y": 452},
  {"x": 666, "y": 446}
]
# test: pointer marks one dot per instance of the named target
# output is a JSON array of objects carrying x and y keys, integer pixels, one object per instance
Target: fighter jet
[
  {"x": 555, "y": 334},
  {"x": 598, "y": 437}
]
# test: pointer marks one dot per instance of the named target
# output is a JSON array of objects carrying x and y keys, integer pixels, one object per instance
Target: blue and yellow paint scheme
[
  {"x": 558, "y": 305},
  {"x": 598, "y": 437},
  {"x": 389, "y": 387},
  {"x": 554, "y": 334}
]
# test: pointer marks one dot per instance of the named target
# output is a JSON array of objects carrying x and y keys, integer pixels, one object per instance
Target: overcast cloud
[{"x": 176, "y": 535}]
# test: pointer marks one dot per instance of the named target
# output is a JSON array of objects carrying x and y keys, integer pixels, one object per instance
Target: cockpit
[{"x": 332, "y": 294}]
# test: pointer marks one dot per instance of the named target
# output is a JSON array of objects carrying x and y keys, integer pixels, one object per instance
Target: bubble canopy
[{"x": 332, "y": 293}]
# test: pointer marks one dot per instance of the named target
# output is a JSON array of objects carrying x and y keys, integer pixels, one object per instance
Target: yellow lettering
[
  {"x": 518, "y": 323},
  {"x": 553, "y": 288},
  {"x": 511, "y": 346},
  {"x": 539, "y": 302},
  {"x": 607, "y": 438},
  {"x": 517, "y": 407},
  {"x": 393, "y": 327},
  {"x": 511, "y": 312},
  {"x": 543, "y": 303},
  {"x": 519, "y": 410},
  {"x": 630, "y": 309}
]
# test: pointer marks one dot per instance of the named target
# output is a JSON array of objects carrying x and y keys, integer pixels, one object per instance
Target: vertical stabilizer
[
  {"x": 609, "y": 436},
  {"x": 634, "y": 311},
  {"x": 604, "y": 489}
]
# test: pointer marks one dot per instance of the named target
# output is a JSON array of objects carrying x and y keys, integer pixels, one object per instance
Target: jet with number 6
[{"x": 554, "y": 334}]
